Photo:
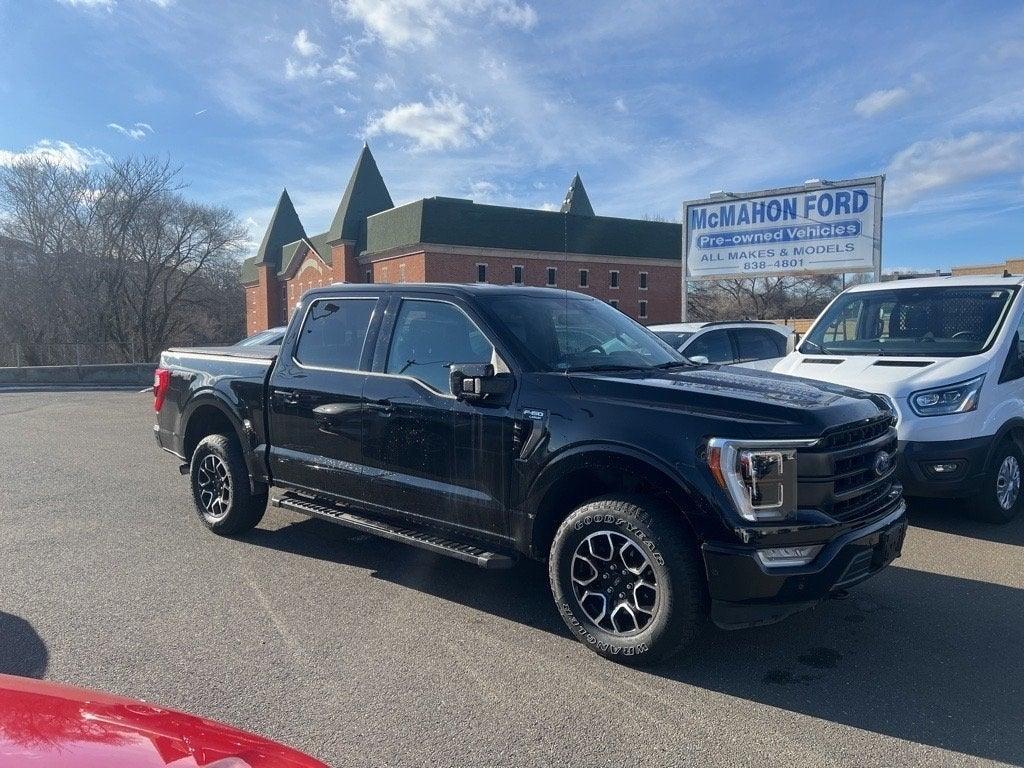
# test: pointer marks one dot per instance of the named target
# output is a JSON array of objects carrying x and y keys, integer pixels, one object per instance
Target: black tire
[
  {"x": 678, "y": 608},
  {"x": 992, "y": 506},
  {"x": 221, "y": 489}
]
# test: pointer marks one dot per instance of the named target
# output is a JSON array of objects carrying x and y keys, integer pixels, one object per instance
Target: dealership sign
[{"x": 816, "y": 228}]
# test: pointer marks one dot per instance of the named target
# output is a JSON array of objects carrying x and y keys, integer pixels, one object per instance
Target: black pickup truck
[{"x": 494, "y": 423}]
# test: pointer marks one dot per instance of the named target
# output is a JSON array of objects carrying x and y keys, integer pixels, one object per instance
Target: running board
[{"x": 415, "y": 537}]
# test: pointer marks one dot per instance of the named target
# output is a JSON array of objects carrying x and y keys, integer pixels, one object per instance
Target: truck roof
[
  {"x": 937, "y": 282},
  {"x": 460, "y": 289}
]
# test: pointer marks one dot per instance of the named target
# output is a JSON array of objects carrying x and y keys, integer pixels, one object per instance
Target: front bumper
[
  {"x": 915, "y": 460},
  {"x": 744, "y": 594}
]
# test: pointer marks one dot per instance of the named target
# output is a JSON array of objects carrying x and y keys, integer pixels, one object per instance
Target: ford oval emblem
[{"x": 883, "y": 463}]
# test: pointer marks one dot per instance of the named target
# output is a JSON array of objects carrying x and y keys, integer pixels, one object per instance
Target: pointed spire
[
  {"x": 284, "y": 228},
  {"x": 365, "y": 195},
  {"x": 576, "y": 200}
]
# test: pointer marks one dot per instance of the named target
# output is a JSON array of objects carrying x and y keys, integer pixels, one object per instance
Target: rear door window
[
  {"x": 758, "y": 344},
  {"x": 714, "y": 345},
  {"x": 333, "y": 333}
]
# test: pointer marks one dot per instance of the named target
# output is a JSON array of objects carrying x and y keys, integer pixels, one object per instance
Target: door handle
[
  {"x": 287, "y": 397},
  {"x": 383, "y": 407}
]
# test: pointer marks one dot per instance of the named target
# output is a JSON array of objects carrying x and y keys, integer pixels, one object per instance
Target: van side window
[
  {"x": 1013, "y": 366},
  {"x": 431, "y": 335},
  {"x": 333, "y": 333}
]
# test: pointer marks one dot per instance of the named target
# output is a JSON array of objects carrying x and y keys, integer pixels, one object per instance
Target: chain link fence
[{"x": 17, "y": 355}]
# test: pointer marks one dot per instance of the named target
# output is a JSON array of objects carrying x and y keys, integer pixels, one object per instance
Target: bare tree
[
  {"x": 763, "y": 298},
  {"x": 117, "y": 256}
]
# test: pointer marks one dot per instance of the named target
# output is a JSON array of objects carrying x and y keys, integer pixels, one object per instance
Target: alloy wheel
[
  {"x": 614, "y": 583},
  {"x": 214, "y": 486}
]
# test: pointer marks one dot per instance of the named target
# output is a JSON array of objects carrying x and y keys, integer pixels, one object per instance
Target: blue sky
[{"x": 503, "y": 100}]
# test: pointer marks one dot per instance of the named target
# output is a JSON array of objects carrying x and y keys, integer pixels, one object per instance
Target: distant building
[
  {"x": 1008, "y": 267},
  {"x": 633, "y": 264}
]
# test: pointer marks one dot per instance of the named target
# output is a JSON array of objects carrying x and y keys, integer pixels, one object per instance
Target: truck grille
[{"x": 839, "y": 475}]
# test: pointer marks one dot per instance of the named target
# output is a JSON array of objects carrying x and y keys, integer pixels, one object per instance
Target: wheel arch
[
  {"x": 209, "y": 413},
  {"x": 586, "y": 473},
  {"x": 1013, "y": 429}
]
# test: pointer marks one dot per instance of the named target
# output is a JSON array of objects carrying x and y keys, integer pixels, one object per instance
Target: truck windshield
[
  {"x": 577, "y": 334},
  {"x": 944, "y": 321}
]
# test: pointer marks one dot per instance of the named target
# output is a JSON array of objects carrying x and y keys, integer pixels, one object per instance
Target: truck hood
[
  {"x": 896, "y": 377},
  {"x": 768, "y": 404}
]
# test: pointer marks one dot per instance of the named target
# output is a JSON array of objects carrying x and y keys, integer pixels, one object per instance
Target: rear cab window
[{"x": 333, "y": 333}]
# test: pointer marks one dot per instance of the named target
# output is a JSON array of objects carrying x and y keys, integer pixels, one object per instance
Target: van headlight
[
  {"x": 759, "y": 476},
  {"x": 942, "y": 401}
]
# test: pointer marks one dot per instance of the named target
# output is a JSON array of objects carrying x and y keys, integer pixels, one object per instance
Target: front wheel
[
  {"x": 223, "y": 496},
  {"x": 625, "y": 577},
  {"x": 1001, "y": 490}
]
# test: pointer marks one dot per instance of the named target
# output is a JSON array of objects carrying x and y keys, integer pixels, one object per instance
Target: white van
[{"x": 947, "y": 354}]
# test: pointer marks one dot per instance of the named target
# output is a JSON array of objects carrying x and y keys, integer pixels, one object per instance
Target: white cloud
[
  {"x": 620, "y": 105},
  {"x": 414, "y": 23},
  {"x": 384, "y": 83},
  {"x": 339, "y": 110},
  {"x": 550, "y": 207},
  {"x": 58, "y": 153},
  {"x": 445, "y": 122},
  {"x": 135, "y": 132},
  {"x": 339, "y": 69},
  {"x": 926, "y": 166},
  {"x": 304, "y": 46},
  {"x": 881, "y": 101}
]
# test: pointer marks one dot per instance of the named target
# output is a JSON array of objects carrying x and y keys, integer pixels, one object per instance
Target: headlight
[
  {"x": 942, "y": 401},
  {"x": 760, "y": 476}
]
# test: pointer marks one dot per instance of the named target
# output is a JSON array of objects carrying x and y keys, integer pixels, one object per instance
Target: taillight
[{"x": 161, "y": 382}]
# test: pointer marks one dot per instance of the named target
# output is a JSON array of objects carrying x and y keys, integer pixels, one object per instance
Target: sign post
[{"x": 821, "y": 227}]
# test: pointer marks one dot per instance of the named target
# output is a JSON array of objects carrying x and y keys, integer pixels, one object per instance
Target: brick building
[
  {"x": 1008, "y": 267},
  {"x": 630, "y": 263}
]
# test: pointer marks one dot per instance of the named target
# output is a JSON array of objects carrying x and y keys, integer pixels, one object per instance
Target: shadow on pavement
[
  {"x": 22, "y": 651},
  {"x": 925, "y": 657},
  {"x": 949, "y": 516}
]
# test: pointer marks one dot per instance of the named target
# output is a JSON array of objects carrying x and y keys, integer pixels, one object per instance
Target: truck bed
[{"x": 242, "y": 353}]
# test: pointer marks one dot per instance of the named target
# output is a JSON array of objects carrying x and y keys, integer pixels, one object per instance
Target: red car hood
[{"x": 43, "y": 725}]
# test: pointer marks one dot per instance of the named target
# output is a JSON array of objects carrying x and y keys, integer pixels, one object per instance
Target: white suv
[
  {"x": 753, "y": 344},
  {"x": 948, "y": 355}
]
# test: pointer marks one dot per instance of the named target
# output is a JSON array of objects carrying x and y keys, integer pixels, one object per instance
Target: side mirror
[
  {"x": 473, "y": 382},
  {"x": 700, "y": 359}
]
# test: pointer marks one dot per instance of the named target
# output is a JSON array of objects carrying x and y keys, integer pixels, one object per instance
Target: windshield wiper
[
  {"x": 675, "y": 363},
  {"x": 607, "y": 367}
]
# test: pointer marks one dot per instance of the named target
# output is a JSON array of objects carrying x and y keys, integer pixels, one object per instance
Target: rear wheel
[
  {"x": 1001, "y": 490},
  {"x": 221, "y": 491},
  {"x": 626, "y": 580}
]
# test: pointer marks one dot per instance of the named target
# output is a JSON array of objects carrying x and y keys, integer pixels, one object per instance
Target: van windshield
[{"x": 944, "y": 321}]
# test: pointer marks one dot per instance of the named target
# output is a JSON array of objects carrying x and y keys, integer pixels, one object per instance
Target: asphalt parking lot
[{"x": 364, "y": 652}]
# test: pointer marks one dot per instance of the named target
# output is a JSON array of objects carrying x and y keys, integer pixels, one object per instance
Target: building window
[
  {"x": 614, "y": 303},
  {"x": 369, "y": 276},
  {"x": 643, "y": 281},
  {"x": 584, "y": 278},
  {"x": 613, "y": 278},
  {"x": 517, "y": 275},
  {"x": 481, "y": 273},
  {"x": 643, "y": 310},
  {"x": 552, "y": 276}
]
